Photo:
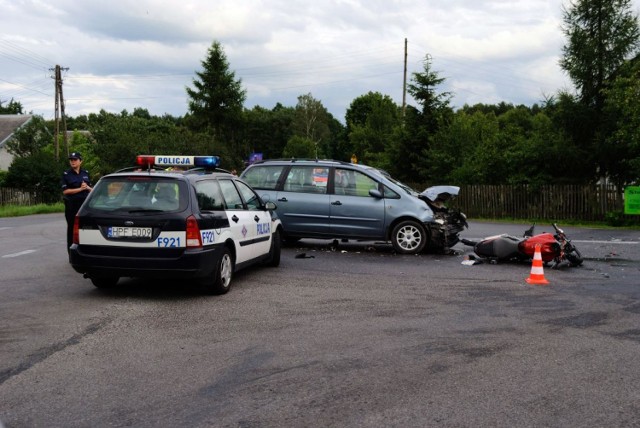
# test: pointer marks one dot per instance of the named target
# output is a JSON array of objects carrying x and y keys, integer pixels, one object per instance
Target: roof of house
[{"x": 9, "y": 123}]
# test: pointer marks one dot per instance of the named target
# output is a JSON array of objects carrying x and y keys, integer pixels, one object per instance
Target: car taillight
[
  {"x": 193, "y": 233},
  {"x": 76, "y": 230}
]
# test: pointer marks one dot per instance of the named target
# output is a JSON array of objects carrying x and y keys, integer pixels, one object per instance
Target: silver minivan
[{"x": 330, "y": 199}]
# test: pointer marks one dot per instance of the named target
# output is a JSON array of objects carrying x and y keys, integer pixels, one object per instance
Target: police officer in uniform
[{"x": 76, "y": 186}]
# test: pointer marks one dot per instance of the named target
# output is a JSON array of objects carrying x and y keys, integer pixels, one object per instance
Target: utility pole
[
  {"x": 404, "y": 81},
  {"x": 59, "y": 112}
]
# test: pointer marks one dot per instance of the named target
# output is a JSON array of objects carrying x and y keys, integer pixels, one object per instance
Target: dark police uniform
[{"x": 72, "y": 203}]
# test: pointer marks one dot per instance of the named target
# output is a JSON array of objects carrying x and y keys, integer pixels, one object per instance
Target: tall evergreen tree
[
  {"x": 217, "y": 98},
  {"x": 601, "y": 35},
  {"x": 421, "y": 125}
]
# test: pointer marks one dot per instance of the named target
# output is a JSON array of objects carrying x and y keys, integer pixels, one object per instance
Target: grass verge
[{"x": 18, "y": 210}]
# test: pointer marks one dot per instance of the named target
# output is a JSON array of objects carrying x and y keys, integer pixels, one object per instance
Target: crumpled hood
[{"x": 443, "y": 193}]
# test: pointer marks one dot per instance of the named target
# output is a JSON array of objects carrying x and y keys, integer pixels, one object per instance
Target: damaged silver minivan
[{"x": 330, "y": 199}]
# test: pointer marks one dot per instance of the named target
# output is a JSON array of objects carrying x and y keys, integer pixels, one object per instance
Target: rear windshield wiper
[{"x": 145, "y": 210}]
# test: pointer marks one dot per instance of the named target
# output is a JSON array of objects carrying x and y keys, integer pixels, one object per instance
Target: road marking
[
  {"x": 5, "y": 228},
  {"x": 608, "y": 242},
  {"x": 21, "y": 253},
  {"x": 583, "y": 241}
]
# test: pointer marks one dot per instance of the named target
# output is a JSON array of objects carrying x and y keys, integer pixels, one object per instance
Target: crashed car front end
[{"x": 448, "y": 223}]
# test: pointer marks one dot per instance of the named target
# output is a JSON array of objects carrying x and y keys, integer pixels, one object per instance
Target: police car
[{"x": 175, "y": 217}]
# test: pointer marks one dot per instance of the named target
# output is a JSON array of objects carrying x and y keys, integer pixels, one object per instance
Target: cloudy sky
[{"x": 123, "y": 54}]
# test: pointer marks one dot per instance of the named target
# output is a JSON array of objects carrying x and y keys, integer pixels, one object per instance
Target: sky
[{"x": 124, "y": 54}]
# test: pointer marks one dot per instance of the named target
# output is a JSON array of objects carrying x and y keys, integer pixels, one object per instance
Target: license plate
[{"x": 129, "y": 232}]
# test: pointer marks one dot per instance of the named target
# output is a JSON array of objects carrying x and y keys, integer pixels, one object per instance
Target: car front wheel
[
  {"x": 409, "y": 237},
  {"x": 274, "y": 252}
]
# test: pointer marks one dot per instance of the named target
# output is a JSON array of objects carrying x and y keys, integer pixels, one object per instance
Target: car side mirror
[
  {"x": 375, "y": 193},
  {"x": 270, "y": 206}
]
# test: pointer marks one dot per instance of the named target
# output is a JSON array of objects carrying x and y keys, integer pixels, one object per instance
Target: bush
[
  {"x": 38, "y": 173},
  {"x": 620, "y": 219}
]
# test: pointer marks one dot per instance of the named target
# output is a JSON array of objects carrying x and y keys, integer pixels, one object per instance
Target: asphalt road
[{"x": 346, "y": 336}]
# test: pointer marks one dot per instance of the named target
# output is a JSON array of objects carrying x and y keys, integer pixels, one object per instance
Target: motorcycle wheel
[{"x": 574, "y": 257}]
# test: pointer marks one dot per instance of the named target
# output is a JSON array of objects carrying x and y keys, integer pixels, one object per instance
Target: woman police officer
[{"x": 76, "y": 186}]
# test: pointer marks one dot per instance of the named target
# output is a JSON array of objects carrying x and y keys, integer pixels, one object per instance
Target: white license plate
[{"x": 129, "y": 232}]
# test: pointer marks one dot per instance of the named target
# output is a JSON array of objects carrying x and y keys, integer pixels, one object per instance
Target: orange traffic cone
[{"x": 537, "y": 271}]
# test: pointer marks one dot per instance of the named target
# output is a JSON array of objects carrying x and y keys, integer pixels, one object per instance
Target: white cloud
[{"x": 125, "y": 54}]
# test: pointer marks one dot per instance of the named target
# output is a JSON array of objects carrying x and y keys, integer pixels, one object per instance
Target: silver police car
[{"x": 333, "y": 199}]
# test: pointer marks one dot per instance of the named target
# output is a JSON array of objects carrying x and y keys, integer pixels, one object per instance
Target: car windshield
[
  {"x": 386, "y": 175},
  {"x": 136, "y": 194}
]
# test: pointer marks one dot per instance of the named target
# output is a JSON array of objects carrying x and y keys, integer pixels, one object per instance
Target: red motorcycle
[{"x": 556, "y": 248}]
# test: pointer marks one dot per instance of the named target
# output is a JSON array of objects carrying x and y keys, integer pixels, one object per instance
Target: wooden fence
[
  {"x": 552, "y": 202},
  {"x": 9, "y": 196}
]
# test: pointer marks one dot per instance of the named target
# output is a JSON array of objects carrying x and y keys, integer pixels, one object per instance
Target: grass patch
[{"x": 19, "y": 210}]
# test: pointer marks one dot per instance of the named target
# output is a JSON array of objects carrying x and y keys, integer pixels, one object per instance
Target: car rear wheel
[
  {"x": 222, "y": 275},
  {"x": 290, "y": 240},
  {"x": 104, "y": 281},
  {"x": 409, "y": 237}
]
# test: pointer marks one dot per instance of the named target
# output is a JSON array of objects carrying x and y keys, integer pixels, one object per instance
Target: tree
[
  {"x": 217, "y": 99},
  {"x": 623, "y": 109},
  {"x": 30, "y": 138},
  {"x": 601, "y": 34},
  {"x": 300, "y": 147},
  {"x": 371, "y": 122},
  {"x": 267, "y": 131},
  {"x": 421, "y": 125},
  {"x": 14, "y": 107},
  {"x": 121, "y": 137},
  {"x": 311, "y": 122}
]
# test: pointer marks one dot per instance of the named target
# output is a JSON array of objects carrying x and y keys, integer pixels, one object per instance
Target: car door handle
[
  {"x": 256, "y": 218},
  {"x": 336, "y": 203},
  {"x": 235, "y": 218},
  {"x": 283, "y": 199}
]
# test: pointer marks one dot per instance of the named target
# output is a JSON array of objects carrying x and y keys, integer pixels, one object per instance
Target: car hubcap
[
  {"x": 225, "y": 271},
  {"x": 409, "y": 237}
]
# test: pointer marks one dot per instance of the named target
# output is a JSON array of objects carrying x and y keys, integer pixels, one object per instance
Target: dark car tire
[
  {"x": 222, "y": 275},
  {"x": 105, "y": 281},
  {"x": 274, "y": 252},
  {"x": 409, "y": 237},
  {"x": 289, "y": 241}
]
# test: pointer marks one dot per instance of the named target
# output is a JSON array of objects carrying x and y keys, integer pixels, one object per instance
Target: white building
[{"x": 9, "y": 123}]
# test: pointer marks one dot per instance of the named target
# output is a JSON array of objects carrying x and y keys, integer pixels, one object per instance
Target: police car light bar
[{"x": 149, "y": 161}]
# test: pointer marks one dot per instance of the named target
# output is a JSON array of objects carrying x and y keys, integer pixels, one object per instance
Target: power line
[{"x": 23, "y": 56}]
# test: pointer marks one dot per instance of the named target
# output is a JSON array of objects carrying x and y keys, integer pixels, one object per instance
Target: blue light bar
[{"x": 207, "y": 161}]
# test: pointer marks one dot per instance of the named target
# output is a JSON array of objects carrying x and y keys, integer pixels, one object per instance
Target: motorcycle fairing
[
  {"x": 501, "y": 247},
  {"x": 549, "y": 246}
]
